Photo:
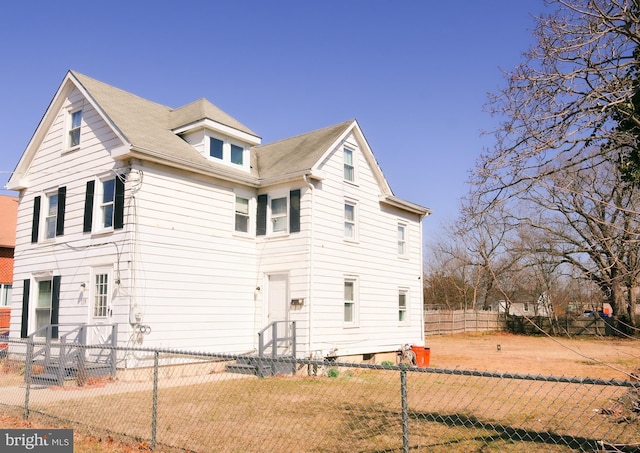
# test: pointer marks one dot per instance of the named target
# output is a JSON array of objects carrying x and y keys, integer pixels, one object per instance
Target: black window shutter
[
  {"x": 261, "y": 218},
  {"x": 24, "y": 326},
  {"x": 62, "y": 197},
  {"x": 55, "y": 305},
  {"x": 88, "y": 206},
  {"x": 294, "y": 208},
  {"x": 35, "y": 221},
  {"x": 118, "y": 205}
]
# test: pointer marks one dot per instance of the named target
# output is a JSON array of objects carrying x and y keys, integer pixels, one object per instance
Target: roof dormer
[{"x": 215, "y": 134}]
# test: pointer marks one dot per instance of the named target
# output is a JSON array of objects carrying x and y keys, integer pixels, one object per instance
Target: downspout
[
  {"x": 310, "y": 275},
  {"x": 421, "y": 278}
]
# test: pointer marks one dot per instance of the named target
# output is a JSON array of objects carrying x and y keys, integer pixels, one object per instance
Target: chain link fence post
[
  {"x": 154, "y": 409},
  {"x": 27, "y": 377},
  {"x": 405, "y": 410}
]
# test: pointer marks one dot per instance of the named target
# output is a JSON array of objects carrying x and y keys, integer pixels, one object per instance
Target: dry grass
[{"x": 360, "y": 410}]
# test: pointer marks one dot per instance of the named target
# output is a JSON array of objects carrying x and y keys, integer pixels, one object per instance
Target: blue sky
[{"x": 415, "y": 74}]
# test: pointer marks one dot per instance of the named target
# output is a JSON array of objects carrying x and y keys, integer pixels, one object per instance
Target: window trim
[
  {"x": 404, "y": 253},
  {"x": 93, "y": 203},
  {"x": 249, "y": 215},
  {"x": 355, "y": 306},
  {"x": 97, "y": 294},
  {"x": 403, "y": 292},
  {"x": 349, "y": 165},
  {"x": 71, "y": 129},
  {"x": 6, "y": 292},
  {"x": 50, "y": 219},
  {"x": 228, "y": 147},
  {"x": 264, "y": 217},
  {"x": 41, "y": 213},
  {"x": 355, "y": 222}
]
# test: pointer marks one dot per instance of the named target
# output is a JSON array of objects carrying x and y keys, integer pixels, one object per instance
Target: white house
[{"x": 179, "y": 227}]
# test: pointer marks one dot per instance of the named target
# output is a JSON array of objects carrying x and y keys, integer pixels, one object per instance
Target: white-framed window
[
  {"x": 237, "y": 154},
  {"x": 350, "y": 220},
  {"x": 349, "y": 166},
  {"x": 75, "y": 123},
  {"x": 227, "y": 152},
  {"x": 402, "y": 239},
  {"x": 51, "y": 216},
  {"x": 279, "y": 215},
  {"x": 216, "y": 148},
  {"x": 100, "y": 294},
  {"x": 350, "y": 315},
  {"x": 107, "y": 203},
  {"x": 242, "y": 216},
  {"x": 5, "y": 294},
  {"x": 44, "y": 300},
  {"x": 403, "y": 305}
]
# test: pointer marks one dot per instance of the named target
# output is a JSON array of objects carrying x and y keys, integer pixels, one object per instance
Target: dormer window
[
  {"x": 215, "y": 148},
  {"x": 237, "y": 155},
  {"x": 228, "y": 152}
]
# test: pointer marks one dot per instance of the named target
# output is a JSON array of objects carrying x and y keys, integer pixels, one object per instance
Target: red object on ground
[{"x": 423, "y": 356}]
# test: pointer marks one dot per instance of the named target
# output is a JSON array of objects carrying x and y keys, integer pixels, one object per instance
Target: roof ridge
[
  {"x": 306, "y": 133},
  {"x": 113, "y": 87}
]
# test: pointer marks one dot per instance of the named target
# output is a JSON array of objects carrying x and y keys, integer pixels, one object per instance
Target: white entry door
[
  {"x": 278, "y": 309},
  {"x": 100, "y": 309}
]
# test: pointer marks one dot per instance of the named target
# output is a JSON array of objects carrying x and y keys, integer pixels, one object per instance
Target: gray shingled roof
[
  {"x": 146, "y": 125},
  {"x": 200, "y": 109},
  {"x": 296, "y": 154}
]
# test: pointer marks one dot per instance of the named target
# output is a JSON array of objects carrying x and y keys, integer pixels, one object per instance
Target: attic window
[
  {"x": 215, "y": 148},
  {"x": 227, "y": 152},
  {"x": 349, "y": 169},
  {"x": 74, "y": 128},
  {"x": 237, "y": 154}
]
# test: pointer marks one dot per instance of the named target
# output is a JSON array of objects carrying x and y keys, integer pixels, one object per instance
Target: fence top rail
[{"x": 332, "y": 363}]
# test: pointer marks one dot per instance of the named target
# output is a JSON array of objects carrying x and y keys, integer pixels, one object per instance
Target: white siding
[
  {"x": 372, "y": 259},
  {"x": 72, "y": 255},
  {"x": 197, "y": 278}
]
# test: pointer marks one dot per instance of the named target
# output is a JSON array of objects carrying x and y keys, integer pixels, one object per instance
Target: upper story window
[
  {"x": 52, "y": 211},
  {"x": 350, "y": 220},
  {"x": 242, "y": 215},
  {"x": 104, "y": 205},
  {"x": 51, "y": 216},
  {"x": 278, "y": 214},
  {"x": 402, "y": 239},
  {"x": 349, "y": 168},
  {"x": 237, "y": 155},
  {"x": 107, "y": 203},
  {"x": 215, "y": 148},
  {"x": 75, "y": 121},
  {"x": 228, "y": 152}
]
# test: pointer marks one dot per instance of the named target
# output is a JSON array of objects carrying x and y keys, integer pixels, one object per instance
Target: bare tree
[
  {"x": 566, "y": 146},
  {"x": 569, "y": 97}
]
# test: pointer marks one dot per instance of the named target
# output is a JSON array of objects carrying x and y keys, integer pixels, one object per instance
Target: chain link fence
[{"x": 188, "y": 401}]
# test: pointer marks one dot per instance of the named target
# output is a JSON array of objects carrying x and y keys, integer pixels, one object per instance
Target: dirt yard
[{"x": 594, "y": 357}]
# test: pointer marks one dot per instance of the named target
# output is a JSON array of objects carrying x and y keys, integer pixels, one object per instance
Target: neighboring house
[
  {"x": 540, "y": 307},
  {"x": 181, "y": 228},
  {"x": 8, "y": 219}
]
